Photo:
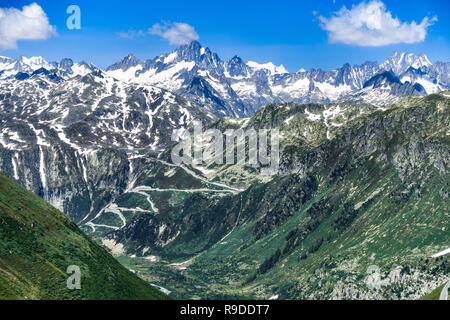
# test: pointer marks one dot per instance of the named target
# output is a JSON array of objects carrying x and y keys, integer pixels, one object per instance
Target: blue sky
[{"x": 284, "y": 32}]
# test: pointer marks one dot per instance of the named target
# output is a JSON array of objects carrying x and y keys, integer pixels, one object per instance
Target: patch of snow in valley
[
  {"x": 331, "y": 91},
  {"x": 115, "y": 248},
  {"x": 311, "y": 116},
  {"x": 442, "y": 253},
  {"x": 14, "y": 161},
  {"x": 42, "y": 168},
  {"x": 288, "y": 120}
]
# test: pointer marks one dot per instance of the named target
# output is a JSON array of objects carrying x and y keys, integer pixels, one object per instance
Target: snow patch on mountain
[
  {"x": 399, "y": 62},
  {"x": 269, "y": 66}
]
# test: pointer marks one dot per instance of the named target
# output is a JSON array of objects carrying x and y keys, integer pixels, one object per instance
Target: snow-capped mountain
[
  {"x": 96, "y": 145},
  {"x": 192, "y": 71},
  {"x": 10, "y": 68},
  {"x": 269, "y": 67},
  {"x": 383, "y": 89},
  {"x": 94, "y": 110},
  {"x": 4, "y": 62},
  {"x": 237, "y": 88},
  {"x": 440, "y": 72},
  {"x": 400, "y": 62},
  {"x": 69, "y": 69},
  {"x": 72, "y": 141},
  {"x": 421, "y": 77},
  {"x": 66, "y": 69}
]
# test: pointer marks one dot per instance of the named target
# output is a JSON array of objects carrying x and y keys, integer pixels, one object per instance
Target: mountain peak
[
  {"x": 382, "y": 78},
  {"x": 269, "y": 66},
  {"x": 31, "y": 60},
  {"x": 195, "y": 43},
  {"x": 5, "y": 59},
  {"x": 130, "y": 57},
  {"x": 235, "y": 60},
  {"x": 49, "y": 228},
  {"x": 195, "y": 52},
  {"x": 236, "y": 67},
  {"x": 65, "y": 64},
  {"x": 194, "y": 48},
  {"x": 28, "y": 65},
  {"x": 129, "y": 61},
  {"x": 399, "y": 62}
]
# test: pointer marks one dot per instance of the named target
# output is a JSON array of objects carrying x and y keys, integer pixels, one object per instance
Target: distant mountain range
[{"x": 238, "y": 89}]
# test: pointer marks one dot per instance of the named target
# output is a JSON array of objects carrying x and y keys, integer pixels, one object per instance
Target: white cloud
[
  {"x": 371, "y": 24},
  {"x": 176, "y": 33},
  {"x": 30, "y": 23}
]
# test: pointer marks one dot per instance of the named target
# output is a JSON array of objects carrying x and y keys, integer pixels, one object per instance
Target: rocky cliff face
[
  {"x": 71, "y": 141},
  {"x": 368, "y": 190}
]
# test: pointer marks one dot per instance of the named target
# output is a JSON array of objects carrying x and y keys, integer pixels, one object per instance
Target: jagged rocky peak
[
  {"x": 382, "y": 89},
  {"x": 24, "y": 64},
  {"x": 21, "y": 76},
  {"x": 370, "y": 64},
  {"x": 5, "y": 59},
  {"x": 31, "y": 60},
  {"x": 399, "y": 62},
  {"x": 343, "y": 73},
  {"x": 45, "y": 74},
  {"x": 382, "y": 78},
  {"x": 129, "y": 61},
  {"x": 88, "y": 65},
  {"x": 65, "y": 64},
  {"x": 415, "y": 71},
  {"x": 236, "y": 61},
  {"x": 94, "y": 76},
  {"x": 236, "y": 67},
  {"x": 441, "y": 72},
  {"x": 192, "y": 51},
  {"x": 203, "y": 57}
]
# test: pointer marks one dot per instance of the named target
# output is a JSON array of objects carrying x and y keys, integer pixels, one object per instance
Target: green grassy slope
[
  {"x": 38, "y": 243},
  {"x": 435, "y": 294}
]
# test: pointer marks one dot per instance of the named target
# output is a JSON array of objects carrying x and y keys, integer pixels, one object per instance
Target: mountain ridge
[{"x": 237, "y": 88}]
